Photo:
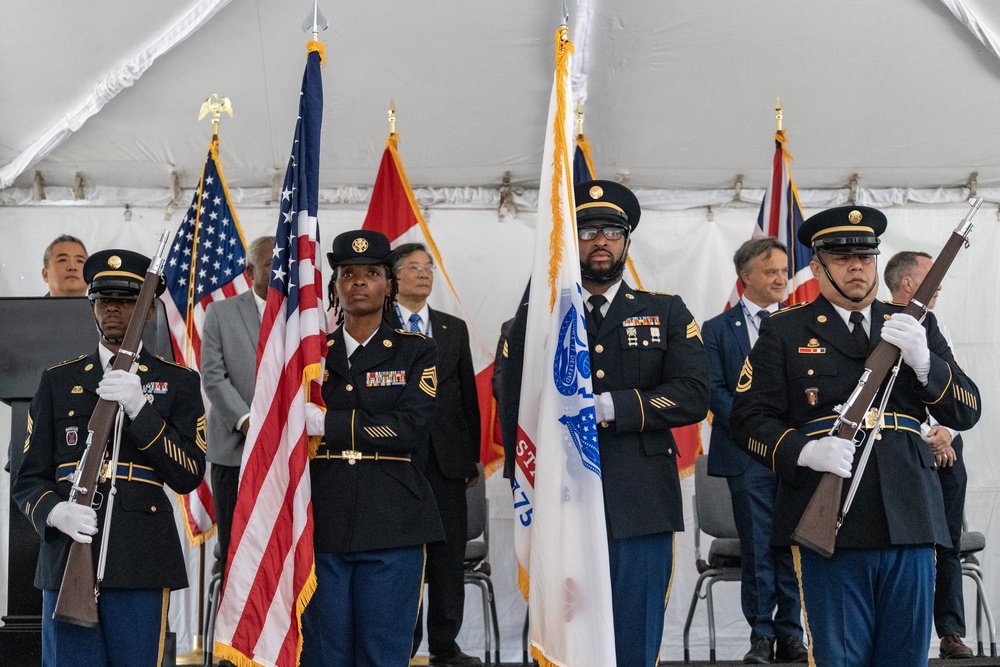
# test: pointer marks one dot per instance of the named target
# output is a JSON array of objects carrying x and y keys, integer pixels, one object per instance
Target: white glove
[
  {"x": 315, "y": 420},
  {"x": 604, "y": 408},
  {"x": 77, "y": 521},
  {"x": 828, "y": 454},
  {"x": 124, "y": 388},
  {"x": 910, "y": 337}
]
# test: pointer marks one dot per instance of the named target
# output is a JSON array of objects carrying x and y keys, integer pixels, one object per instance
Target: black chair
[
  {"x": 477, "y": 564},
  {"x": 713, "y": 514},
  {"x": 973, "y": 542}
]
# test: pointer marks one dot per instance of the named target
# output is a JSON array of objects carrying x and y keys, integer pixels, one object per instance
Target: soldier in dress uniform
[
  {"x": 650, "y": 375},
  {"x": 162, "y": 443},
  {"x": 870, "y": 603},
  {"x": 373, "y": 510}
]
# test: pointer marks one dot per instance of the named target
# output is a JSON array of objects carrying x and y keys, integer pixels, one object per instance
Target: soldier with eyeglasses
[{"x": 650, "y": 375}]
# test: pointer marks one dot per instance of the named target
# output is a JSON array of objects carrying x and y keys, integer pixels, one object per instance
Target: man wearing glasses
[
  {"x": 650, "y": 375},
  {"x": 453, "y": 454}
]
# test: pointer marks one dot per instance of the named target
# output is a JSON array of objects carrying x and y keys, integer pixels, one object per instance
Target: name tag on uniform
[{"x": 385, "y": 378}]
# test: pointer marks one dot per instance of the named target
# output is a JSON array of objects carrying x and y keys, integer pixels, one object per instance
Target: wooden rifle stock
[
  {"x": 818, "y": 525},
  {"x": 77, "y": 601}
]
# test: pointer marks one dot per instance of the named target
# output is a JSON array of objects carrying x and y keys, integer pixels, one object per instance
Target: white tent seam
[
  {"x": 986, "y": 35},
  {"x": 106, "y": 90}
]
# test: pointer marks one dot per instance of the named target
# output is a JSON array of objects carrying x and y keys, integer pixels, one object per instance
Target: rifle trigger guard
[{"x": 98, "y": 500}]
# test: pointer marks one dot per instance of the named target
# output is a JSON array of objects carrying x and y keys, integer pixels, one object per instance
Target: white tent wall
[{"x": 488, "y": 261}]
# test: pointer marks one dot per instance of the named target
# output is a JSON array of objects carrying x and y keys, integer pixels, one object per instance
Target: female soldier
[{"x": 373, "y": 510}]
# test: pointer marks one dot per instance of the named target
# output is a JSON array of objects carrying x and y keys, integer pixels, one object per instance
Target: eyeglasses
[
  {"x": 419, "y": 268},
  {"x": 610, "y": 233}
]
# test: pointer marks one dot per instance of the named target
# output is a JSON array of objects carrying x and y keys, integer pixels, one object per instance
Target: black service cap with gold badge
[
  {"x": 117, "y": 274},
  {"x": 363, "y": 246},
  {"x": 603, "y": 203},
  {"x": 844, "y": 230}
]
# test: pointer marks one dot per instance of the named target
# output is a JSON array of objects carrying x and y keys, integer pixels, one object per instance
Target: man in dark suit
[
  {"x": 450, "y": 464},
  {"x": 650, "y": 375},
  {"x": 162, "y": 442},
  {"x": 871, "y": 602},
  {"x": 768, "y": 576},
  {"x": 228, "y": 368},
  {"x": 904, "y": 273}
]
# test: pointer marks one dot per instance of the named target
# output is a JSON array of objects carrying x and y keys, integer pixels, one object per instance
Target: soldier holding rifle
[
  {"x": 162, "y": 442},
  {"x": 871, "y": 602}
]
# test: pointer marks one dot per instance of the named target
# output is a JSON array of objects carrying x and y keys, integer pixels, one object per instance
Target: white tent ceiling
[{"x": 680, "y": 94}]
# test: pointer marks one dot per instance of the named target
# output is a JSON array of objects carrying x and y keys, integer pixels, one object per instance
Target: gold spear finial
[
  {"x": 777, "y": 114},
  {"x": 579, "y": 118},
  {"x": 215, "y": 105},
  {"x": 392, "y": 116}
]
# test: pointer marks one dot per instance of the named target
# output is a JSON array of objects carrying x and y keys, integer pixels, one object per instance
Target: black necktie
[
  {"x": 596, "y": 301},
  {"x": 354, "y": 355},
  {"x": 111, "y": 362},
  {"x": 762, "y": 315},
  {"x": 858, "y": 332}
]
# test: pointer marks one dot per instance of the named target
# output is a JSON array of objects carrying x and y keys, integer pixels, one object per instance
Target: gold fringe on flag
[
  {"x": 562, "y": 167},
  {"x": 194, "y": 540},
  {"x": 523, "y": 581},
  {"x": 318, "y": 47}
]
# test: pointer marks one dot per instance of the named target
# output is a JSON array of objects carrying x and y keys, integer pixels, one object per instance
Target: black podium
[{"x": 38, "y": 333}]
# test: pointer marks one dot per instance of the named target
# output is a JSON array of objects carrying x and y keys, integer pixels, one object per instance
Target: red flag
[
  {"x": 270, "y": 572},
  {"x": 394, "y": 211}
]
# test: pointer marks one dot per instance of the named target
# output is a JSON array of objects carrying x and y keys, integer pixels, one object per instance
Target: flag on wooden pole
[{"x": 270, "y": 571}]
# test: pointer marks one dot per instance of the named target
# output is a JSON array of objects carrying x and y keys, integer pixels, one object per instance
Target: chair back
[{"x": 714, "y": 504}]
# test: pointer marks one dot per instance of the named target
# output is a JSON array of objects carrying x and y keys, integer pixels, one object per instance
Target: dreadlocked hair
[{"x": 334, "y": 303}]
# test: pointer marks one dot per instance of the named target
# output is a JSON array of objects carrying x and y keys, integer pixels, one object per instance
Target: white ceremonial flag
[{"x": 560, "y": 533}]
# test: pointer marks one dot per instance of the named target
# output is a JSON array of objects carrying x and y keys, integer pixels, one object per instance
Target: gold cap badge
[
  {"x": 596, "y": 192},
  {"x": 359, "y": 245},
  {"x": 854, "y": 217},
  {"x": 114, "y": 262}
]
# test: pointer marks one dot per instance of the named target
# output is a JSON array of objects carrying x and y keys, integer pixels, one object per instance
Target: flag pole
[
  {"x": 778, "y": 115},
  {"x": 215, "y": 105},
  {"x": 392, "y": 117}
]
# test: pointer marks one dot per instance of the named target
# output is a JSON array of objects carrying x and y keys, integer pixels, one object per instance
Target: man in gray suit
[{"x": 228, "y": 371}]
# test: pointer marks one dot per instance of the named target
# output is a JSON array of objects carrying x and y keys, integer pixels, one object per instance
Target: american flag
[
  {"x": 206, "y": 263},
  {"x": 270, "y": 570},
  {"x": 560, "y": 537},
  {"x": 781, "y": 216}
]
